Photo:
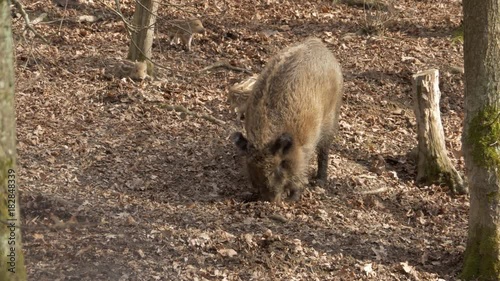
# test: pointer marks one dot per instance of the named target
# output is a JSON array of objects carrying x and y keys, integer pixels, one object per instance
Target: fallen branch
[
  {"x": 225, "y": 64},
  {"x": 20, "y": 7},
  {"x": 367, "y": 4},
  {"x": 278, "y": 218},
  {"x": 56, "y": 225},
  {"x": 177, "y": 7},
  {"x": 375, "y": 191},
  {"x": 182, "y": 109}
]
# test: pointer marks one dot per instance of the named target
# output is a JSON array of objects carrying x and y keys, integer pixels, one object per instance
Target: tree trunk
[
  {"x": 11, "y": 255},
  {"x": 142, "y": 37},
  {"x": 434, "y": 166},
  {"x": 481, "y": 137}
]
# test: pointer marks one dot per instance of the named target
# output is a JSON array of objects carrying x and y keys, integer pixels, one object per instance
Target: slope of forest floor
[{"x": 114, "y": 186}]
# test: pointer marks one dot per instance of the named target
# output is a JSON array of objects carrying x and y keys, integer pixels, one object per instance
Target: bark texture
[
  {"x": 11, "y": 255},
  {"x": 434, "y": 166},
  {"x": 481, "y": 137},
  {"x": 142, "y": 37}
]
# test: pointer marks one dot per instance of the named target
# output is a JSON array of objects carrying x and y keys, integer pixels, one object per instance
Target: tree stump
[{"x": 434, "y": 166}]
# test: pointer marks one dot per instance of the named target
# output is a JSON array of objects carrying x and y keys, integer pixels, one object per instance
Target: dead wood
[
  {"x": 367, "y": 4},
  {"x": 433, "y": 166},
  {"x": 375, "y": 191},
  {"x": 182, "y": 109},
  {"x": 225, "y": 64},
  {"x": 27, "y": 21}
]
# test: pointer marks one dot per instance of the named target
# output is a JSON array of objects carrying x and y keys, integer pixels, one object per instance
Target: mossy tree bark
[
  {"x": 481, "y": 137},
  {"x": 434, "y": 166},
  {"x": 142, "y": 36},
  {"x": 11, "y": 255}
]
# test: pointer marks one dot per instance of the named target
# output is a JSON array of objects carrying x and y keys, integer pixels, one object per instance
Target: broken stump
[{"x": 433, "y": 164}]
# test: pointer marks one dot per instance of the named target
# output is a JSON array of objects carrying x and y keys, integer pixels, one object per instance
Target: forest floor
[{"x": 114, "y": 186}]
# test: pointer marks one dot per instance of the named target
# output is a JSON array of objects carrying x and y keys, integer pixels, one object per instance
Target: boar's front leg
[{"x": 322, "y": 175}]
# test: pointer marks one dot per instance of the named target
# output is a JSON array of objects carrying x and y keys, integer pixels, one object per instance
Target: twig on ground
[
  {"x": 56, "y": 225},
  {"x": 29, "y": 26},
  {"x": 225, "y": 64},
  {"x": 375, "y": 191},
  {"x": 182, "y": 109}
]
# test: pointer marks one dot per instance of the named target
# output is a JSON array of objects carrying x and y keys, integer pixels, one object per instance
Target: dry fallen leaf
[
  {"x": 204, "y": 236},
  {"x": 227, "y": 252},
  {"x": 131, "y": 220},
  {"x": 380, "y": 253},
  {"x": 38, "y": 236},
  {"x": 406, "y": 267},
  {"x": 110, "y": 236},
  {"x": 249, "y": 239},
  {"x": 141, "y": 253},
  {"x": 226, "y": 236},
  {"x": 367, "y": 268},
  {"x": 56, "y": 220},
  {"x": 268, "y": 233},
  {"x": 82, "y": 251}
]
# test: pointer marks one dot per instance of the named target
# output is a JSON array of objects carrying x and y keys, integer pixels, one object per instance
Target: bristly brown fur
[
  {"x": 183, "y": 30},
  {"x": 299, "y": 94}
]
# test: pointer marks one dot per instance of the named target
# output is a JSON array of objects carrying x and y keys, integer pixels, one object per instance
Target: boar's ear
[
  {"x": 240, "y": 141},
  {"x": 282, "y": 144}
]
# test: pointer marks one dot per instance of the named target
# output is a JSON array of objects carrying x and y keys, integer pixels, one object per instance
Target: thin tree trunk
[
  {"x": 11, "y": 255},
  {"x": 142, "y": 37},
  {"x": 481, "y": 137},
  {"x": 434, "y": 166}
]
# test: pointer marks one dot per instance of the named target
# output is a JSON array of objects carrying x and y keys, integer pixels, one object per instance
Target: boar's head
[{"x": 270, "y": 168}]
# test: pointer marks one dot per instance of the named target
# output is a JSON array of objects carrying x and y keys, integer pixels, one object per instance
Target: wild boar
[
  {"x": 239, "y": 93},
  {"x": 183, "y": 30},
  {"x": 291, "y": 114}
]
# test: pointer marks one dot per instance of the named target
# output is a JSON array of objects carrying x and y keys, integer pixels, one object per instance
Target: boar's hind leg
[{"x": 322, "y": 175}]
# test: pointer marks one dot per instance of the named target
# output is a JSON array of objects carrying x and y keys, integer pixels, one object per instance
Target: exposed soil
[{"x": 116, "y": 187}]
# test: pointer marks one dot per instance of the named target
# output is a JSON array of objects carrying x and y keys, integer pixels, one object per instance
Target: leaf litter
[{"x": 117, "y": 187}]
